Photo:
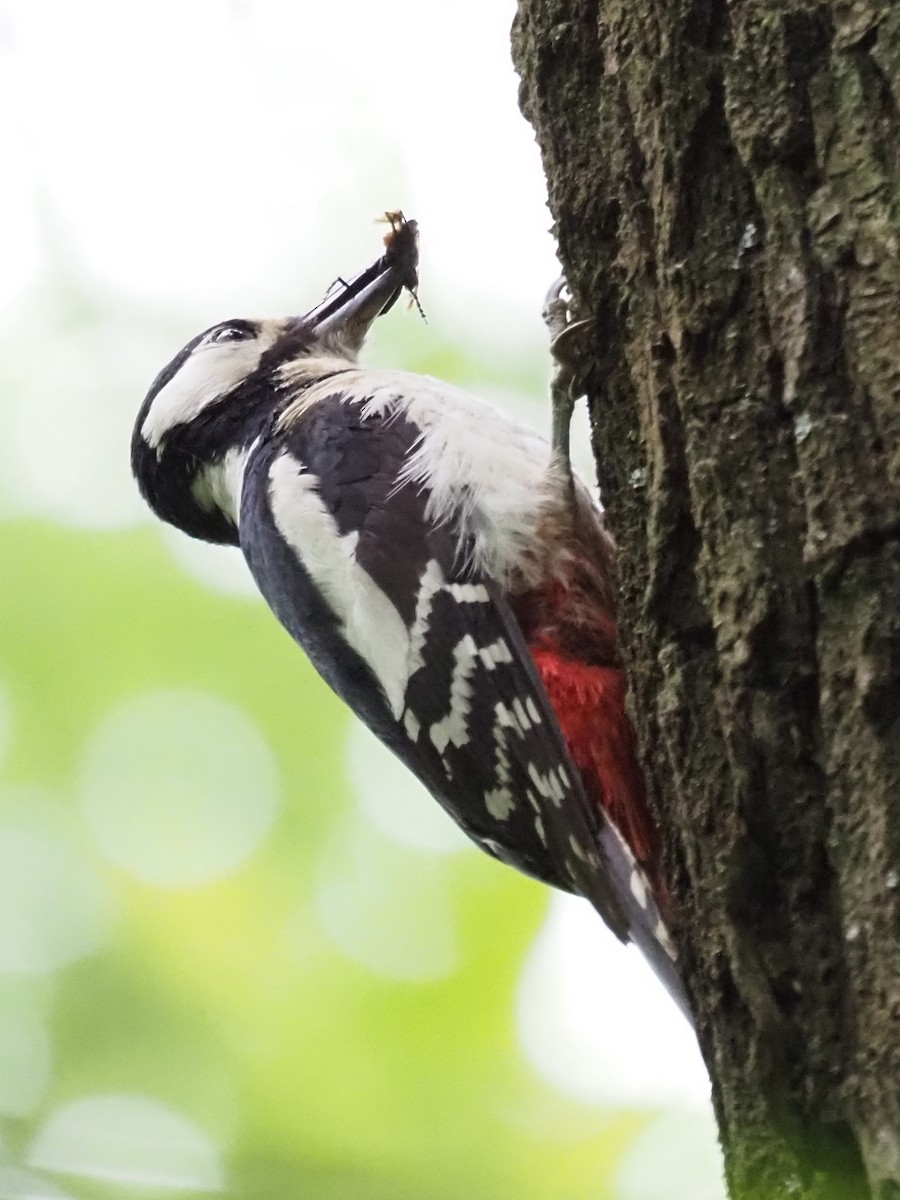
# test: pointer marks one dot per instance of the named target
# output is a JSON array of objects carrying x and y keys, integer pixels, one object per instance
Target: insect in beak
[{"x": 350, "y": 307}]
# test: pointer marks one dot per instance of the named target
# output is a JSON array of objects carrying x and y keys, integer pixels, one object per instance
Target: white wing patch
[
  {"x": 500, "y": 800},
  {"x": 454, "y": 726},
  {"x": 372, "y": 626},
  {"x": 430, "y": 584},
  {"x": 497, "y": 653},
  {"x": 469, "y": 593},
  {"x": 546, "y": 785},
  {"x": 500, "y": 803}
]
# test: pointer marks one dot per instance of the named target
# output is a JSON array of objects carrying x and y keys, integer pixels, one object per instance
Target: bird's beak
[{"x": 349, "y": 309}]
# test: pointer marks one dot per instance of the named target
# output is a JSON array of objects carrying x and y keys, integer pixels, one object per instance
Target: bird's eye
[{"x": 232, "y": 333}]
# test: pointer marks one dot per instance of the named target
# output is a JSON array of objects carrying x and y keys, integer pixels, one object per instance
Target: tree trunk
[{"x": 725, "y": 180}]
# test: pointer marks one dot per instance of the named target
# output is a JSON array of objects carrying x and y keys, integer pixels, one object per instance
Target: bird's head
[{"x": 223, "y": 389}]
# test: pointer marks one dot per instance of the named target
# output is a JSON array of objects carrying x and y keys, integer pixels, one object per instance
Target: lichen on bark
[{"x": 725, "y": 183}]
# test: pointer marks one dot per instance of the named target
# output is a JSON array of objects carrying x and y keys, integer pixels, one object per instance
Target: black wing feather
[{"x": 474, "y": 663}]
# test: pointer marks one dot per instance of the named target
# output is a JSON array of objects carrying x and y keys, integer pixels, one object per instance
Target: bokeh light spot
[
  {"x": 64, "y": 402},
  {"x": 20, "y": 241},
  {"x": 53, "y": 910},
  {"x": 392, "y": 798},
  {"x": 16, "y": 1184},
  {"x": 220, "y": 568},
  {"x": 130, "y": 1140},
  {"x": 5, "y": 723},
  {"x": 578, "y": 984},
  {"x": 178, "y": 787},
  {"x": 387, "y": 908},
  {"x": 25, "y": 1057},
  {"x": 678, "y": 1155}
]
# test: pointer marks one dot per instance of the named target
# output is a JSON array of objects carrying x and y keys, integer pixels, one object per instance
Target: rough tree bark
[{"x": 725, "y": 181}]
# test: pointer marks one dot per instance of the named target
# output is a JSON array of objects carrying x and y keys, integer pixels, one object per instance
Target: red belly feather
[{"x": 589, "y": 702}]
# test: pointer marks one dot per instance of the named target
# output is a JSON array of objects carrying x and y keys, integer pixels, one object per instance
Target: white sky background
[{"x": 205, "y": 160}]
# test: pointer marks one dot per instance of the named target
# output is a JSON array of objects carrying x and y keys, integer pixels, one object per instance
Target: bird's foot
[
  {"x": 568, "y": 343},
  {"x": 569, "y": 350}
]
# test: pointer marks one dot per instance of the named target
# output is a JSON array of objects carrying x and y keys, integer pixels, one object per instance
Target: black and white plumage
[{"x": 387, "y": 519}]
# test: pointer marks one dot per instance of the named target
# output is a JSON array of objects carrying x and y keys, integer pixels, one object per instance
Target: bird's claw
[
  {"x": 568, "y": 345},
  {"x": 569, "y": 350},
  {"x": 556, "y": 310}
]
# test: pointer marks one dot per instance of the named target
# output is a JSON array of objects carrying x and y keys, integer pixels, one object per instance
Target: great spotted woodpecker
[{"x": 441, "y": 565}]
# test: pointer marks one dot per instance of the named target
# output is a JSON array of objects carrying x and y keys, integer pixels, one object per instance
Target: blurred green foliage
[{"x": 228, "y": 1002}]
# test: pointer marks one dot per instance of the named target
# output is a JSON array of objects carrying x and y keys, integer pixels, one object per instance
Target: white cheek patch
[{"x": 209, "y": 374}]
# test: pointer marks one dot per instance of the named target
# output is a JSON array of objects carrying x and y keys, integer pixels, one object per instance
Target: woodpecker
[{"x": 442, "y": 566}]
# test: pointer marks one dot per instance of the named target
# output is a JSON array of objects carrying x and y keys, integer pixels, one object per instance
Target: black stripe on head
[{"x": 296, "y": 339}]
